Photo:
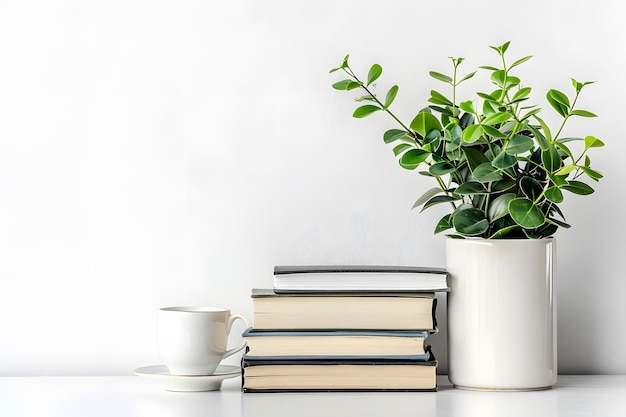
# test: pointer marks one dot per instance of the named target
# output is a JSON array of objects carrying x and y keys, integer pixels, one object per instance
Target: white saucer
[{"x": 169, "y": 382}]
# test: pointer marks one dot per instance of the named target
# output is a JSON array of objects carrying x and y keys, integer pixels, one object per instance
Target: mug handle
[{"x": 231, "y": 320}]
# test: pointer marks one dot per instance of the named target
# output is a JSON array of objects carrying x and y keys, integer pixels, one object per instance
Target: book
[
  {"x": 336, "y": 311},
  {"x": 336, "y": 344},
  {"x": 358, "y": 278},
  {"x": 338, "y": 375}
]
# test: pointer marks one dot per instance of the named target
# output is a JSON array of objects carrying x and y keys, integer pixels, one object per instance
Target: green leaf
[
  {"x": 412, "y": 158},
  {"x": 496, "y": 118},
  {"x": 521, "y": 93},
  {"x": 471, "y": 188},
  {"x": 401, "y": 148},
  {"x": 583, "y": 113},
  {"x": 565, "y": 140},
  {"x": 365, "y": 111},
  {"x": 487, "y": 97},
  {"x": 519, "y": 144},
  {"x": 394, "y": 134},
  {"x": 470, "y": 222},
  {"x": 333, "y": 70},
  {"x": 531, "y": 187},
  {"x": 520, "y": 61},
  {"x": 558, "y": 101},
  {"x": 467, "y": 106},
  {"x": 558, "y": 180},
  {"x": 440, "y": 77},
  {"x": 546, "y": 132},
  {"x": 593, "y": 142},
  {"x": 526, "y": 213},
  {"x": 554, "y": 194},
  {"x": 593, "y": 174},
  {"x": 486, "y": 172},
  {"x": 557, "y": 210},
  {"x": 497, "y": 77},
  {"x": 472, "y": 133},
  {"x": 441, "y": 99},
  {"x": 499, "y": 207},
  {"x": 342, "y": 85},
  {"x": 511, "y": 82},
  {"x": 475, "y": 157},
  {"x": 551, "y": 159},
  {"x": 391, "y": 95},
  {"x": 345, "y": 61},
  {"x": 443, "y": 224},
  {"x": 498, "y": 95},
  {"x": 453, "y": 131},
  {"x": 365, "y": 98},
  {"x": 560, "y": 108},
  {"x": 540, "y": 138},
  {"x": 565, "y": 170},
  {"x": 546, "y": 230},
  {"x": 424, "y": 122},
  {"x": 558, "y": 223},
  {"x": 493, "y": 132},
  {"x": 578, "y": 187},
  {"x": 374, "y": 73},
  {"x": 504, "y": 160},
  {"x": 504, "y": 232},
  {"x": 505, "y": 184},
  {"x": 353, "y": 85},
  {"x": 563, "y": 148},
  {"x": 426, "y": 196},
  {"x": 439, "y": 200},
  {"x": 530, "y": 113},
  {"x": 466, "y": 120},
  {"x": 441, "y": 168},
  {"x": 467, "y": 77},
  {"x": 488, "y": 108},
  {"x": 560, "y": 97},
  {"x": 441, "y": 110},
  {"x": 432, "y": 136}
]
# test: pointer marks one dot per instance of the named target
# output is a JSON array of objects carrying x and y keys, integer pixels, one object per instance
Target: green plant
[{"x": 496, "y": 162}]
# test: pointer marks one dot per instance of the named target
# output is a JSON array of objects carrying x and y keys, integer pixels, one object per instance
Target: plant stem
[
  {"x": 455, "y": 65},
  {"x": 382, "y": 106},
  {"x": 349, "y": 71},
  {"x": 567, "y": 116}
]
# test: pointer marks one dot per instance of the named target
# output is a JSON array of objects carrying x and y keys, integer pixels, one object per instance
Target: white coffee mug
[{"x": 193, "y": 340}]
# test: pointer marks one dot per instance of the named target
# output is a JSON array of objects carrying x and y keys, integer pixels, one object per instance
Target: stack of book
[{"x": 351, "y": 328}]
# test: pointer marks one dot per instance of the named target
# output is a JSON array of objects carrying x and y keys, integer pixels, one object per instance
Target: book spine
[
  {"x": 247, "y": 362},
  {"x": 430, "y": 360},
  {"x": 285, "y": 390}
]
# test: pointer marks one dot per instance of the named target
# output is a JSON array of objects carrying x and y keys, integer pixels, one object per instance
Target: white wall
[{"x": 160, "y": 153}]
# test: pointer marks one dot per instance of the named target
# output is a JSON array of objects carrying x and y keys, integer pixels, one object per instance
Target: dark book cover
[
  {"x": 316, "y": 269},
  {"x": 252, "y": 332},
  {"x": 268, "y": 292},
  {"x": 247, "y": 362},
  {"x": 359, "y": 278}
]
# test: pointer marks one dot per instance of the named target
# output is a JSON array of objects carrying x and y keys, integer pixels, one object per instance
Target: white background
[{"x": 158, "y": 153}]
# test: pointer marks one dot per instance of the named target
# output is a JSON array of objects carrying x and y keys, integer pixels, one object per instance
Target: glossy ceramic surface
[
  {"x": 160, "y": 374},
  {"x": 501, "y": 314},
  {"x": 193, "y": 340}
]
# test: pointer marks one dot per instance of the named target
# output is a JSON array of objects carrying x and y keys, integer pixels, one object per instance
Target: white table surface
[{"x": 121, "y": 396}]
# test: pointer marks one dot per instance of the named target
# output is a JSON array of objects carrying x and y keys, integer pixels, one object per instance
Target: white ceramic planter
[{"x": 501, "y": 314}]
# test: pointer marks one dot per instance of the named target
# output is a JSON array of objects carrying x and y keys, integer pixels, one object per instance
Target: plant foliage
[{"x": 499, "y": 166}]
